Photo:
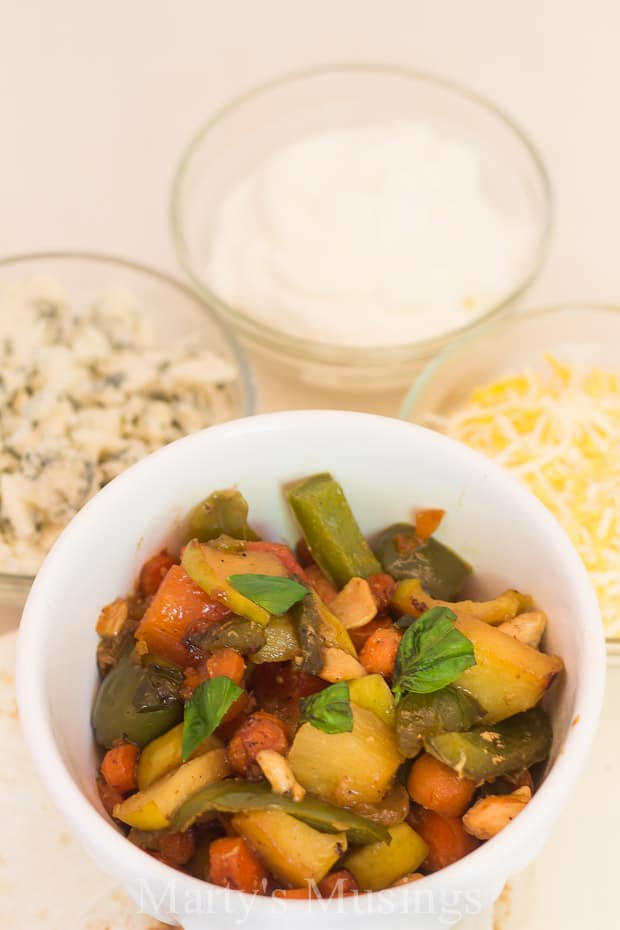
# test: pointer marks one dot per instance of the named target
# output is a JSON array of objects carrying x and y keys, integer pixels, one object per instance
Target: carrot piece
[
  {"x": 226, "y": 662},
  {"x": 446, "y": 838},
  {"x": 282, "y": 552},
  {"x": 177, "y": 849},
  {"x": 379, "y": 651},
  {"x": 338, "y": 884},
  {"x": 439, "y": 788},
  {"x": 427, "y": 521},
  {"x": 362, "y": 634},
  {"x": 154, "y": 571},
  {"x": 308, "y": 893},
  {"x": 233, "y": 864},
  {"x": 321, "y": 584},
  {"x": 382, "y": 586},
  {"x": 258, "y": 732},
  {"x": 119, "y": 767},
  {"x": 177, "y": 603}
]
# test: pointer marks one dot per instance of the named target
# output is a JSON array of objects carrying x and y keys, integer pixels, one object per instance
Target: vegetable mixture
[{"x": 316, "y": 723}]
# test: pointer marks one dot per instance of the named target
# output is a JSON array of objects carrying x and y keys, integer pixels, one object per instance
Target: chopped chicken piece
[
  {"x": 279, "y": 774},
  {"x": 490, "y": 815},
  {"x": 528, "y": 628},
  {"x": 355, "y": 605}
]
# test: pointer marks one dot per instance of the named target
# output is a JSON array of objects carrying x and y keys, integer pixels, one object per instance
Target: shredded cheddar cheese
[{"x": 560, "y": 433}]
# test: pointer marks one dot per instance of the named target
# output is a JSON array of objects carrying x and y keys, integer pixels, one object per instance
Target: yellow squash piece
[
  {"x": 411, "y": 598},
  {"x": 165, "y": 753},
  {"x": 332, "y": 630},
  {"x": 211, "y": 568},
  {"x": 346, "y": 768},
  {"x": 378, "y": 866},
  {"x": 294, "y": 852},
  {"x": 509, "y": 677},
  {"x": 373, "y": 693},
  {"x": 153, "y": 808}
]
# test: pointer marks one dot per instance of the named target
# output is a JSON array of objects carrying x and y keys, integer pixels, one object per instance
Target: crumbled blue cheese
[{"x": 84, "y": 393}]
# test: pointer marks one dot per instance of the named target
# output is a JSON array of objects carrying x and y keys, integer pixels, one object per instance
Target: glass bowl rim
[
  {"x": 435, "y": 366},
  {"x": 20, "y": 583},
  {"x": 352, "y": 356}
]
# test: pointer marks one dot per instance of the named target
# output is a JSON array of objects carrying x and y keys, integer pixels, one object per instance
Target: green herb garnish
[
  {"x": 206, "y": 709},
  {"x": 329, "y": 710},
  {"x": 271, "y": 592},
  {"x": 431, "y": 655}
]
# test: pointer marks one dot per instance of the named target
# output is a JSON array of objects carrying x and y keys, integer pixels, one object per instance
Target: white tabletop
[{"x": 97, "y": 101}]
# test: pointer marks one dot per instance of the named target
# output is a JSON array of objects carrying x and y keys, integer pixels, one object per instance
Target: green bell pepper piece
[
  {"x": 239, "y": 633},
  {"x": 318, "y": 629},
  {"x": 330, "y": 529},
  {"x": 441, "y": 571},
  {"x": 233, "y": 796},
  {"x": 115, "y": 714},
  {"x": 422, "y": 715},
  {"x": 504, "y": 749},
  {"x": 223, "y": 513}
]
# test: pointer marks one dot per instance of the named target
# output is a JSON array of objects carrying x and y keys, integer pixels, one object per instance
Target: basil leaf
[
  {"x": 431, "y": 655},
  {"x": 329, "y": 710},
  {"x": 273, "y": 593},
  {"x": 205, "y": 711}
]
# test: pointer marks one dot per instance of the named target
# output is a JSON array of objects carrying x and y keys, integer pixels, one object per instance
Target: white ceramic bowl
[{"x": 386, "y": 466}]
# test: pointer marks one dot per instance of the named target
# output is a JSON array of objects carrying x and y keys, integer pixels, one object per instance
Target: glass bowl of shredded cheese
[
  {"x": 539, "y": 392},
  {"x": 349, "y": 220},
  {"x": 102, "y": 361}
]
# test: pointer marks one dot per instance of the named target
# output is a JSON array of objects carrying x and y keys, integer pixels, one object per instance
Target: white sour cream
[{"x": 362, "y": 237}]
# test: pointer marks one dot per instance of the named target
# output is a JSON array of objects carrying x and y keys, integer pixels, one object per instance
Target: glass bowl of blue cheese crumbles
[{"x": 102, "y": 361}]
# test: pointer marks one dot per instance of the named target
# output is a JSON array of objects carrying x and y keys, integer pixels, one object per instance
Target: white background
[{"x": 97, "y": 101}]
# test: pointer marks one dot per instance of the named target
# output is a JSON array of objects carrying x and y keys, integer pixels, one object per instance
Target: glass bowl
[
  {"x": 574, "y": 333},
  {"x": 248, "y": 130},
  {"x": 167, "y": 305}
]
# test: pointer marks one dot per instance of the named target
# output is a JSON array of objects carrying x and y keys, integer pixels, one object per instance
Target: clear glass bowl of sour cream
[{"x": 351, "y": 219}]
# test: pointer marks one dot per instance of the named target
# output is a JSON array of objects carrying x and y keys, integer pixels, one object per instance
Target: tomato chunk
[
  {"x": 283, "y": 553},
  {"x": 178, "y": 603},
  {"x": 154, "y": 571}
]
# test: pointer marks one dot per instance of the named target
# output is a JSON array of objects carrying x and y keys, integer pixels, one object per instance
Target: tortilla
[{"x": 46, "y": 880}]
